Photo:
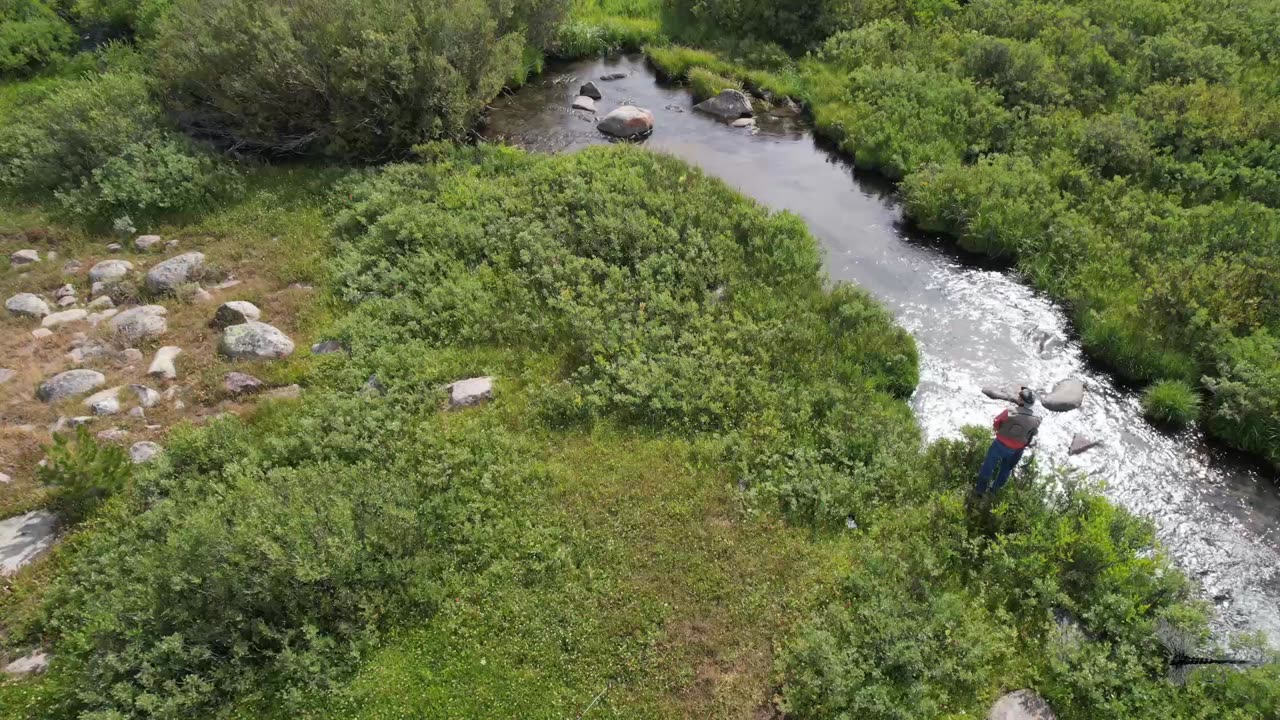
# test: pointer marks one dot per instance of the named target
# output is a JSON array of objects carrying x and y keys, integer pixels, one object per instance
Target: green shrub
[
  {"x": 585, "y": 38},
  {"x": 349, "y": 79},
  {"x": 1244, "y": 405},
  {"x": 31, "y": 34},
  {"x": 1171, "y": 401},
  {"x": 102, "y": 146},
  {"x": 83, "y": 474}
]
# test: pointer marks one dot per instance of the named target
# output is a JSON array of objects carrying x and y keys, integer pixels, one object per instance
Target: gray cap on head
[{"x": 1026, "y": 397}]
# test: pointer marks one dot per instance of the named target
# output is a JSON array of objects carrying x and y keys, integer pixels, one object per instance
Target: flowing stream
[{"x": 1215, "y": 511}]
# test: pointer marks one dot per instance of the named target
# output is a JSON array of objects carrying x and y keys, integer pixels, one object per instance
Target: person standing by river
[{"x": 1014, "y": 432}]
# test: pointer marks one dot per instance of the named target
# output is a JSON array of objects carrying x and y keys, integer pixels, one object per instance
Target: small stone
[
  {"x": 1021, "y": 705},
  {"x": 610, "y": 77},
  {"x": 67, "y": 301},
  {"x": 41, "y": 333},
  {"x": 88, "y": 351},
  {"x": 178, "y": 405},
  {"x": 163, "y": 364},
  {"x": 145, "y": 451},
  {"x": 1080, "y": 444},
  {"x": 372, "y": 386},
  {"x": 51, "y": 256},
  {"x": 64, "y": 317},
  {"x": 131, "y": 356},
  {"x": 170, "y": 245},
  {"x": 146, "y": 242},
  {"x": 24, "y": 257},
  {"x": 147, "y": 397},
  {"x": 109, "y": 271},
  {"x": 102, "y": 303},
  {"x": 32, "y": 664},
  {"x": 80, "y": 420},
  {"x": 112, "y": 435},
  {"x": 69, "y": 384},
  {"x": 730, "y": 104},
  {"x": 300, "y": 286},
  {"x": 27, "y": 305},
  {"x": 590, "y": 90},
  {"x": 473, "y": 391},
  {"x": 255, "y": 341},
  {"x": 582, "y": 102},
  {"x": 64, "y": 291},
  {"x": 71, "y": 267},
  {"x": 140, "y": 323},
  {"x": 328, "y": 347},
  {"x": 165, "y": 277},
  {"x": 627, "y": 121},
  {"x": 744, "y": 123},
  {"x": 138, "y": 412},
  {"x": 6, "y": 375},
  {"x": 235, "y": 312},
  {"x": 1066, "y": 395},
  {"x": 105, "y": 402},
  {"x": 99, "y": 288},
  {"x": 1008, "y": 393},
  {"x": 114, "y": 247},
  {"x": 238, "y": 383}
]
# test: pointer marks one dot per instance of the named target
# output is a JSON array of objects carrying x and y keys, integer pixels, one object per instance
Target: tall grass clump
[{"x": 1172, "y": 402}]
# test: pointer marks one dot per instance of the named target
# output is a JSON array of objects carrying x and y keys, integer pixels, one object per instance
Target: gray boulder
[
  {"x": 1066, "y": 395},
  {"x": 1007, "y": 393},
  {"x": 328, "y": 347},
  {"x": 146, "y": 397},
  {"x": 627, "y": 122},
  {"x": 64, "y": 291},
  {"x": 24, "y": 538},
  {"x": 1021, "y": 705},
  {"x": 139, "y": 323},
  {"x": 69, "y": 384},
  {"x": 582, "y": 102},
  {"x": 730, "y": 104},
  {"x": 590, "y": 90},
  {"x": 165, "y": 277},
  {"x": 255, "y": 341},
  {"x": 147, "y": 242},
  {"x": 145, "y": 451},
  {"x": 24, "y": 257},
  {"x": 163, "y": 364},
  {"x": 28, "y": 665},
  {"x": 67, "y": 301},
  {"x": 235, "y": 312},
  {"x": 610, "y": 77},
  {"x": 473, "y": 391},
  {"x": 109, "y": 271},
  {"x": 102, "y": 303},
  {"x": 105, "y": 402},
  {"x": 27, "y": 305}
]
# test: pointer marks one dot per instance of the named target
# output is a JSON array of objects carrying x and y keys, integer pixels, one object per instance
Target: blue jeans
[{"x": 1001, "y": 459}]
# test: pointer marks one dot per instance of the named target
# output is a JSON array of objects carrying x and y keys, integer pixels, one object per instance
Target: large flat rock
[
  {"x": 1066, "y": 395},
  {"x": 25, "y": 538},
  {"x": 69, "y": 384}
]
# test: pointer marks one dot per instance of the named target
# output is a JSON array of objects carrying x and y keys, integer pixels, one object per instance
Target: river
[{"x": 975, "y": 324}]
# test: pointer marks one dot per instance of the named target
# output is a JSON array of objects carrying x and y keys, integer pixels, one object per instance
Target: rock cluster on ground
[
  {"x": 627, "y": 122},
  {"x": 728, "y": 105}
]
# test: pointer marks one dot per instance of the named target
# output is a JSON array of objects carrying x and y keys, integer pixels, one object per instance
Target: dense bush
[
  {"x": 102, "y": 146},
  {"x": 139, "y": 18},
  {"x": 350, "y": 79},
  {"x": 31, "y": 34}
]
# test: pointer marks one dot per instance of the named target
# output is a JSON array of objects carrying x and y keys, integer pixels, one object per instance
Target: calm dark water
[{"x": 1216, "y": 512}]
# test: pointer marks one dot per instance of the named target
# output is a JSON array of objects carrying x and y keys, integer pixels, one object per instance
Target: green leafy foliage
[
  {"x": 1172, "y": 402},
  {"x": 102, "y": 146},
  {"x": 83, "y": 474},
  {"x": 139, "y": 18},
  {"x": 352, "y": 80},
  {"x": 32, "y": 34}
]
